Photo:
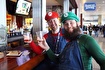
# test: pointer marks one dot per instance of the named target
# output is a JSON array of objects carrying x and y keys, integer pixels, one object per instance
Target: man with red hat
[{"x": 55, "y": 40}]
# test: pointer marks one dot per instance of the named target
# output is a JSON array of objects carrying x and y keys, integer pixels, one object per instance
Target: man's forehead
[
  {"x": 52, "y": 19},
  {"x": 70, "y": 20}
]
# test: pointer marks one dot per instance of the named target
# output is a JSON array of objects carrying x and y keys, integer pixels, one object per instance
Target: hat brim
[{"x": 68, "y": 18}]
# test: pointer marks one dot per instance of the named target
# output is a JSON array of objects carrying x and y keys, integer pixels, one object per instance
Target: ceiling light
[{"x": 103, "y": 1}]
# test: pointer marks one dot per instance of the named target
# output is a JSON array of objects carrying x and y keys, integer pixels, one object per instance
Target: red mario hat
[{"x": 51, "y": 15}]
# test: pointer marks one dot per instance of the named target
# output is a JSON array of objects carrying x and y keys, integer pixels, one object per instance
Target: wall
[{"x": 3, "y": 12}]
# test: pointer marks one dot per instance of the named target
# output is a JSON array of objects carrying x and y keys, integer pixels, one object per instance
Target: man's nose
[
  {"x": 53, "y": 22},
  {"x": 69, "y": 25}
]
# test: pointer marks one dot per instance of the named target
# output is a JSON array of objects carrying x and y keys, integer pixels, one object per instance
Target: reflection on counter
[
  {"x": 3, "y": 64},
  {"x": 23, "y": 58}
]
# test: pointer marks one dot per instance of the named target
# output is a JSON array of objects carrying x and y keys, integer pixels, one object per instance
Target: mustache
[{"x": 72, "y": 35}]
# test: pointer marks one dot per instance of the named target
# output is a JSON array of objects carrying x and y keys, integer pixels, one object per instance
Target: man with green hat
[
  {"x": 78, "y": 52},
  {"x": 69, "y": 16}
]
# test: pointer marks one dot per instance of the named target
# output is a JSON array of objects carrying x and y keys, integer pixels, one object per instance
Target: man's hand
[{"x": 42, "y": 43}]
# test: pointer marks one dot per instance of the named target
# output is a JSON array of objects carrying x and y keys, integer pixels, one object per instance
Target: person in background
[
  {"x": 31, "y": 32},
  {"x": 78, "y": 52},
  {"x": 55, "y": 40},
  {"x": 103, "y": 29},
  {"x": 90, "y": 29},
  {"x": 96, "y": 30}
]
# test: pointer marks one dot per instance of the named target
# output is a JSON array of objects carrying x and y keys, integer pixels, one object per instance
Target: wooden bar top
[
  {"x": 26, "y": 61},
  {"x": 31, "y": 63},
  {"x": 10, "y": 63}
]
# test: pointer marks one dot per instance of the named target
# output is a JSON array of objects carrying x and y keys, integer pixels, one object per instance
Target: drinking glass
[
  {"x": 26, "y": 36},
  {"x": 39, "y": 34}
]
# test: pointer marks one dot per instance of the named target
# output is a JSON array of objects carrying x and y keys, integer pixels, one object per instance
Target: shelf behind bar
[{"x": 11, "y": 39}]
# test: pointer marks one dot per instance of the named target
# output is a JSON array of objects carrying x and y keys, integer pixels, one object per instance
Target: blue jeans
[
  {"x": 96, "y": 33},
  {"x": 104, "y": 33}
]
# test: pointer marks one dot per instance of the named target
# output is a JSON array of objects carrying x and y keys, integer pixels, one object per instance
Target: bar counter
[
  {"x": 29, "y": 65},
  {"x": 26, "y": 61},
  {"x": 10, "y": 63}
]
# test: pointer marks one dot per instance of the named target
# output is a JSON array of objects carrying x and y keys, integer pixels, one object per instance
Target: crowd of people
[
  {"x": 95, "y": 29},
  {"x": 66, "y": 48}
]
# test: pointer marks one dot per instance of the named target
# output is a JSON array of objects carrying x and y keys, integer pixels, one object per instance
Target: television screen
[
  {"x": 23, "y": 7},
  {"x": 11, "y": 7}
]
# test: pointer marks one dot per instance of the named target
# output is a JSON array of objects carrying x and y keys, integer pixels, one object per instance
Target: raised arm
[
  {"x": 35, "y": 48},
  {"x": 43, "y": 44}
]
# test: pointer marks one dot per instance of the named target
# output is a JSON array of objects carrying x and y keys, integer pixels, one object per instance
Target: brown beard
[{"x": 73, "y": 35}]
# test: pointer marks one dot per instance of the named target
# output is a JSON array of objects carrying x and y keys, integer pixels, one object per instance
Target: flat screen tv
[
  {"x": 23, "y": 7},
  {"x": 11, "y": 7}
]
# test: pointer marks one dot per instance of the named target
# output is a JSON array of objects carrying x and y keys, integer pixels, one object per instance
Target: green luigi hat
[{"x": 69, "y": 16}]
